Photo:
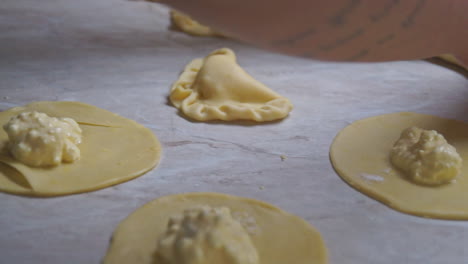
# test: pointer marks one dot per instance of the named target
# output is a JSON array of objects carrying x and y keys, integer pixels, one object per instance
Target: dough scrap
[
  {"x": 135, "y": 239},
  {"x": 451, "y": 59},
  {"x": 185, "y": 23},
  {"x": 216, "y": 87},
  {"x": 360, "y": 156},
  {"x": 114, "y": 150}
]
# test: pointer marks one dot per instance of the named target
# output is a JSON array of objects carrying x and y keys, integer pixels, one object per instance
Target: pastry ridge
[{"x": 216, "y": 87}]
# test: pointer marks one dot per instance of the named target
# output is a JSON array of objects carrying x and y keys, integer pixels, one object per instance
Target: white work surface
[{"x": 119, "y": 55}]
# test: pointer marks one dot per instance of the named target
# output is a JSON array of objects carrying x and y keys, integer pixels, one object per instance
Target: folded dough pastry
[
  {"x": 216, "y": 87},
  {"x": 186, "y": 24}
]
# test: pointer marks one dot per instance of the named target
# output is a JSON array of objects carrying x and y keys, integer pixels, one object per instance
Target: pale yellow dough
[
  {"x": 216, "y": 87},
  {"x": 279, "y": 237},
  {"x": 186, "y": 24},
  {"x": 114, "y": 149},
  {"x": 360, "y": 155},
  {"x": 451, "y": 59}
]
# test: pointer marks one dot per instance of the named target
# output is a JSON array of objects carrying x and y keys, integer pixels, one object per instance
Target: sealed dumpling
[{"x": 217, "y": 88}]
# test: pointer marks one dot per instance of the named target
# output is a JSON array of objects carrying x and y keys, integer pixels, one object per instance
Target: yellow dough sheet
[
  {"x": 114, "y": 149},
  {"x": 360, "y": 156},
  {"x": 279, "y": 237}
]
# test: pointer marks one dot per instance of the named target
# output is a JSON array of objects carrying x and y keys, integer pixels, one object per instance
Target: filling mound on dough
[
  {"x": 425, "y": 157},
  {"x": 206, "y": 235},
  {"x": 37, "y": 139},
  {"x": 59, "y": 148}
]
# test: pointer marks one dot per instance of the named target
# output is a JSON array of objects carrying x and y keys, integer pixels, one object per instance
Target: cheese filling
[
  {"x": 38, "y": 140},
  {"x": 206, "y": 236},
  {"x": 425, "y": 156}
]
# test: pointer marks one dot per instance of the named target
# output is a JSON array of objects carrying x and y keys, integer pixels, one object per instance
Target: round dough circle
[
  {"x": 114, "y": 149},
  {"x": 360, "y": 156},
  {"x": 279, "y": 236}
]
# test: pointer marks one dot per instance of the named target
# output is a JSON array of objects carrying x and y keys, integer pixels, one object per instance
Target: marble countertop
[{"x": 119, "y": 55}]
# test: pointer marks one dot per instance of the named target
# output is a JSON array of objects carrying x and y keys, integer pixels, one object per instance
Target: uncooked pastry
[
  {"x": 279, "y": 237},
  {"x": 186, "y": 24},
  {"x": 114, "y": 149},
  {"x": 360, "y": 155},
  {"x": 216, "y": 87},
  {"x": 451, "y": 59}
]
